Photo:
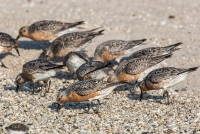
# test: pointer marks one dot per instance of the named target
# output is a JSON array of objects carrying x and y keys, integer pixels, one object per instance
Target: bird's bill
[
  {"x": 3, "y": 65},
  {"x": 17, "y": 51},
  {"x": 17, "y": 37}
]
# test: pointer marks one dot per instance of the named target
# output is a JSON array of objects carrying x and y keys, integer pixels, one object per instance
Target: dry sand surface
[{"x": 161, "y": 22}]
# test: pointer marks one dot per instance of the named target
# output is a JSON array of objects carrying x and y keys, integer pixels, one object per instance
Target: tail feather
[
  {"x": 189, "y": 70},
  {"x": 136, "y": 42},
  {"x": 161, "y": 58},
  {"x": 97, "y": 33},
  {"x": 54, "y": 67},
  {"x": 77, "y": 23},
  {"x": 95, "y": 29},
  {"x": 192, "y": 69},
  {"x": 115, "y": 83},
  {"x": 173, "y": 47}
]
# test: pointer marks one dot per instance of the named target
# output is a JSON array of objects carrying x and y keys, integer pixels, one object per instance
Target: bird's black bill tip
[
  {"x": 17, "y": 37},
  {"x": 3, "y": 65},
  {"x": 17, "y": 51}
]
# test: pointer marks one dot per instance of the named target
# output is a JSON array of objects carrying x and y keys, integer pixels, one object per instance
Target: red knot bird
[
  {"x": 87, "y": 90},
  {"x": 37, "y": 70},
  {"x": 47, "y": 30},
  {"x": 113, "y": 49},
  {"x": 7, "y": 43},
  {"x": 94, "y": 70},
  {"x": 70, "y": 42},
  {"x": 17, "y": 128},
  {"x": 134, "y": 70},
  {"x": 163, "y": 78},
  {"x": 155, "y": 51},
  {"x": 74, "y": 60}
]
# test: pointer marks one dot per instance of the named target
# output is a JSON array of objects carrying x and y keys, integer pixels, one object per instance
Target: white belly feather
[{"x": 44, "y": 76}]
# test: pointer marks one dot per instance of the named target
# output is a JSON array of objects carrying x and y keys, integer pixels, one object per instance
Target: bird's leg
[
  {"x": 33, "y": 87},
  {"x": 141, "y": 94},
  {"x": 97, "y": 108},
  {"x": 166, "y": 93},
  {"x": 58, "y": 108},
  {"x": 3, "y": 65},
  {"x": 89, "y": 106},
  {"x": 131, "y": 84},
  {"x": 17, "y": 51},
  {"x": 48, "y": 84}
]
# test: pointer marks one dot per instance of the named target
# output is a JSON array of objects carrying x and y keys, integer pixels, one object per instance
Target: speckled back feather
[
  {"x": 39, "y": 65},
  {"x": 154, "y": 51},
  {"x": 91, "y": 67},
  {"x": 116, "y": 46},
  {"x": 51, "y": 26},
  {"x": 6, "y": 40},
  {"x": 162, "y": 74},
  {"x": 72, "y": 41}
]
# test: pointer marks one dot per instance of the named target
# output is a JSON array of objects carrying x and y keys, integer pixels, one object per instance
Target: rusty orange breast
[
  {"x": 27, "y": 76},
  {"x": 63, "y": 53},
  {"x": 107, "y": 56},
  {"x": 74, "y": 97},
  {"x": 127, "y": 77},
  {"x": 43, "y": 36}
]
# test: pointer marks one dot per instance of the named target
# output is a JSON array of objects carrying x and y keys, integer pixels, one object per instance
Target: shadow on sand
[{"x": 33, "y": 45}]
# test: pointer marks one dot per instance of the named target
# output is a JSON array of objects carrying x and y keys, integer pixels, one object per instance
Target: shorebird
[
  {"x": 163, "y": 78},
  {"x": 7, "y": 43},
  {"x": 17, "y": 128},
  {"x": 87, "y": 90},
  {"x": 74, "y": 60},
  {"x": 47, "y": 30},
  {"x": 155, "y": 51},
  {"x": 37, "y": 70},
  {"x": 134, "y": 70},
  {"x": 70, "y": 42},
  {"x": 113, "y": 49},
  {"x": 94, "y": 70}
]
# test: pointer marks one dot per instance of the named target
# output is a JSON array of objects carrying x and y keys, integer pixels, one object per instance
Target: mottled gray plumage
[
  {"x": 51, "y": 26},
  {"x": 93, "y": 68},
  {"x": 162, "y": 74},
  {"x": 39, "y": 65},
  {"x": 116, "y": 47},
  {"x": 163, "y": 78},
  {"x": 6, "y": 40},
  {"x": 17, "y": 127},
  {"x": 86, "y": 87},
  {"x": 71, "y": 42},
  {"x": 138, "y": 65},
  {"x": 155, "y": 51}
]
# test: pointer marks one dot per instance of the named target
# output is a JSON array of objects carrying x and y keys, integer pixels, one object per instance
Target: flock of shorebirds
[{"x": 97, "y": 76}]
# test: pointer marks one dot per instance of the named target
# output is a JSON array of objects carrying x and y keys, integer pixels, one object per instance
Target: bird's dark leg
[
  {"x": 97, "y": 108},
  {"x": 58, "y": 108},
  {"x": 17, "y": 88},
  {"x": 89, "y": 106},
  {"x": 3, "y": 65},
  {"x": 141, "y": 95},
  {"x": 17, "y": 51},
  {"x": 48, "y": 85},
  {"x": 33, "y": 87},
  {"x": 166, "y": 93}
]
